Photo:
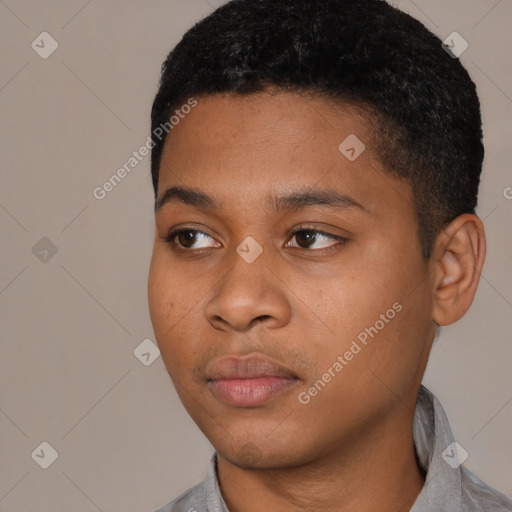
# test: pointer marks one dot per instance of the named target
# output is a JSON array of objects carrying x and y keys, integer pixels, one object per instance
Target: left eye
[{"x": 312, "y": 236}]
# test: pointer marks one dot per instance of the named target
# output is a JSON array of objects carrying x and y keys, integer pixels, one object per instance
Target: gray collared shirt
[{"x": 449, "y": 486}]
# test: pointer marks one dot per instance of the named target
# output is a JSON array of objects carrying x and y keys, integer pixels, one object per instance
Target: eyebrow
[{"x": 295, "y": 200}]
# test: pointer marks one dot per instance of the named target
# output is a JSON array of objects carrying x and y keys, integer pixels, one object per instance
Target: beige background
[{"x": 69, "y": 325}]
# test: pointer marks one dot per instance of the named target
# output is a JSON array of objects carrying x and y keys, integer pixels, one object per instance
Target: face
[{"x": 287, "y": 290}]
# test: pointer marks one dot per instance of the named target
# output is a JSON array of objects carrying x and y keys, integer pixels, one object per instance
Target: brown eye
[
  {"x": 307, "y": 237},
  {"x": 187, "y": 238}
]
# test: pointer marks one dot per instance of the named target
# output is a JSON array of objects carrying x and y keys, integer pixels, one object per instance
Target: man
[{"x": 316, "y": 177}]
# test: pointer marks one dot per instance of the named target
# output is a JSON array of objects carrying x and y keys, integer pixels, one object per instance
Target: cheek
[
  {"x": 373, "y": 304},
  {"x": 160, "y": 296},
  {"x": 351, "y": 301},
  {"x": 163, "y": 298},
  {"x": 392, "y": 325},
  {"x": 170, "y": 291},
  {"x": 175, "y": 309}
]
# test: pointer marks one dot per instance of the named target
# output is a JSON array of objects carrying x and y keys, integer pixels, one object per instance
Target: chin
[{"x": 259, "y": 455}]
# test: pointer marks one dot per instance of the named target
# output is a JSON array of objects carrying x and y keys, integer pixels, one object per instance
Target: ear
[{"x": 458, "y": 258}]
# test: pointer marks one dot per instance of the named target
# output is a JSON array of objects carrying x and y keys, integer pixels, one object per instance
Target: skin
[{"x": 301, "y": 303}]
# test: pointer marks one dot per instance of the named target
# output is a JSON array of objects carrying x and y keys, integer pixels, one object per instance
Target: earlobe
[{"x": 459, "y": 255}]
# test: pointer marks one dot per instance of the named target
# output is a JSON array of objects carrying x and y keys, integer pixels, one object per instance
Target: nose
[{"x": 249, "y": 294}]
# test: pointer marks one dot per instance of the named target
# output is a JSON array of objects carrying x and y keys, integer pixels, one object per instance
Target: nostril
[{"x": 261, "y": 318}]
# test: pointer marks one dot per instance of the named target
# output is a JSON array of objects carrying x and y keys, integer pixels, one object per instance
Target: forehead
[
  {"x": 245, "y": 146},
  {"x": 274, "y": 119}
]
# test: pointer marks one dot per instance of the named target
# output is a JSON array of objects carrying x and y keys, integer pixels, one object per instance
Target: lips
[{"x": 248, "y": 381}]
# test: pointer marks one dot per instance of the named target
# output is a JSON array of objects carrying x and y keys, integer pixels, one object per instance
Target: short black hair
[{"x": 427, "y": 126}]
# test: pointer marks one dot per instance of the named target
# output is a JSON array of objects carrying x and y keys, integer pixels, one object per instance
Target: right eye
[{"x": 186, "y": 238}]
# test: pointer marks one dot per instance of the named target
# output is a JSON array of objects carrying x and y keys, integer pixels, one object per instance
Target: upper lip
[{"x": 247, "y": 367}]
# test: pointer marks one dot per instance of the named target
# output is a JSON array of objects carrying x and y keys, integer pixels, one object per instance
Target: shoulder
[{"x": 191, "y": 500}]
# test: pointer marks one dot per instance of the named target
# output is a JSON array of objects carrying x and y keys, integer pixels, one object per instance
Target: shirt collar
[{"x": 438, "y": 456}]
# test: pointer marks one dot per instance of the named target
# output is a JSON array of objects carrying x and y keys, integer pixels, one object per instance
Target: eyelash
[{"x": 169, "y": 239}]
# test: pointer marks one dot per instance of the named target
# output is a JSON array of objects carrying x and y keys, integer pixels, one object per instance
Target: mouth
[{"x": 249, "y": 381}]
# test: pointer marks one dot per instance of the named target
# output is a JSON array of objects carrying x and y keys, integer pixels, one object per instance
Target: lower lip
[{"x": 249, "y": 392}]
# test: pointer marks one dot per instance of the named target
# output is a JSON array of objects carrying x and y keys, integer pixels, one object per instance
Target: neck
[{"x": 375, "y": 470}]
